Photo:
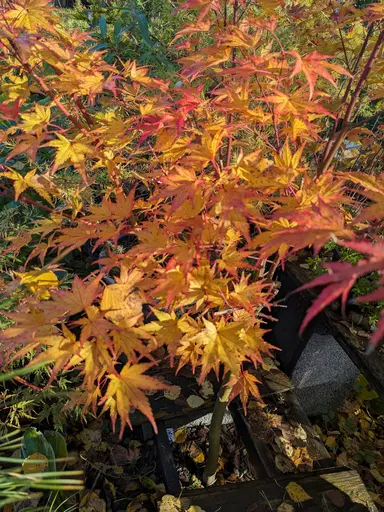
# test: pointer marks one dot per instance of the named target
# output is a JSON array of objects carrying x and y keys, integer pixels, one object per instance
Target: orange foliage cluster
[{"x": 224, "y": 156}]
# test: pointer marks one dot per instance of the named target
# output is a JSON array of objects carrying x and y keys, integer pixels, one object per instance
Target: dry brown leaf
[
  {"x": 297, "y": 493},
  {"x": 38, "y": 465},
  {"x": 377, "y": 475},
  {"x": 195, "y": 401},
  {"x": 207, "y": 389},
  {"x": 173, "y": 393},
  {"x": 169, "y": 503},
  {"x": 91, "y": 502},
  {"x": 285, "y": 507},
  {"x": 180, "y": 435},
  {"x": 283, "y": 464}
]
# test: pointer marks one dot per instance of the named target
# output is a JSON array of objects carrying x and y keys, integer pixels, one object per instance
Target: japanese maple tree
[{"x": 216, "y": 175}]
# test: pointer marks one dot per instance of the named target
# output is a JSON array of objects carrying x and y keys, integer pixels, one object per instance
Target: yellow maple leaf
[
  {"x": 73, "y": 151},
  {"x": 20, "y": 183},
  {"x": 220, "y": 344},
  {"x": 38, "y": 281},
  {"x": 297, "y": 493},
  {"x": 15, "y": 87},
  {"x": 40, "y": 183},
  {"x": 30, "y": 14},
  {"x": 126, "y": 391},
  {"x": 36, "y": 120}
]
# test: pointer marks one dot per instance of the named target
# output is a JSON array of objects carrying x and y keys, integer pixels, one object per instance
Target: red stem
[
  {"x": 345, "y": 127},
  {"x": 230, "y": 117}
]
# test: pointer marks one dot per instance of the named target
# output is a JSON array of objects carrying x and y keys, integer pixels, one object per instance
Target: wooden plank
[
  {"x": 257, "y": 433},
  {"x": 261, "y": 464},
  {"x": 177, "y": 413},
  {"x": 167, "y": 463},
  {"x": 341, "y": 485},
  {"x": 372, "y": 365}
]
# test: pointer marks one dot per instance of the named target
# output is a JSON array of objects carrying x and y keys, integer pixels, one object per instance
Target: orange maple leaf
[
  {"x": 125, "y": 391},
  {"x": 313, "y": 65}
]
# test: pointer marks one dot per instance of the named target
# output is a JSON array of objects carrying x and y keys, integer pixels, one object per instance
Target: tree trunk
[{"x": 215, "y": 431}]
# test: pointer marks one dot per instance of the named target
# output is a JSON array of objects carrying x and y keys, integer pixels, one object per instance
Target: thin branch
[
  {"x": 344, "y": 50},
  {"x": 25, "y": 199},
  {"x": 339, "y": 135}
]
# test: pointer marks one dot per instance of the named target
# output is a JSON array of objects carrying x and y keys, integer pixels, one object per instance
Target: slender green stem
[{"x": 215, "y": 430}]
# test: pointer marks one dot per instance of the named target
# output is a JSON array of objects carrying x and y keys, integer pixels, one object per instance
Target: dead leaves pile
[
  {"x": 355, "y": 437},
  {"x": 124, "y": 472},
  {"x": 170, "y": 503},
  {"x": 291, "y": 446},
  {"x": 190, "y": 451}
]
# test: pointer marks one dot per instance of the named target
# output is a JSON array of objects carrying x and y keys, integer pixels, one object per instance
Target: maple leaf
[
  {"x": 39, "y": 282},
  {"x": 73, "y": 151},
  {"x": 117, "y": 210},
  {"x": 314, "y": 227},
  {"x": 342, "y": 277},
  {"x": 249, "y": 296},
  {"x": 32, "y": 325},
  {"x": 30, "y": 14},
  {"x": 204, "y": 287},
  {"x": 60, "y": 351},
  {"x": 21, "y": 183},
  {"x": 294, "y": 104},
  {"x": 166, "y": 331},
  {"x": 94, "y": 325},
  {"x": 243, "y": 385},
  {"x": 128, "y": 341},
  {"x": 18, "y": 242},
  {"x": 288, "y": 164},
  {"x": 220, "y": 344},
  {"x": 125, "y": 391},
  {"x": 313, "y": 65},
  {"x": 77, "y": 236},
  {"x": 36, "y": 120},
  {"x": 79, "y": 298},
  {"x": 373, "y": 188},
  {"x": 255, "y": 346}
]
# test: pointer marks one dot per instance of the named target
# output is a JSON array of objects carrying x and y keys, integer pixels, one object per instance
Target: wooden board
[
  {"x": 372, "y": 365},
  {"x": 258, "y": 433},
  {"x": 177, "y": 412},
  {"x": 337, "y": 490}
]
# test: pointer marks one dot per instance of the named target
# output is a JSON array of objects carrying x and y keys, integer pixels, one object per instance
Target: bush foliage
[{"x": 211, "y": 179}]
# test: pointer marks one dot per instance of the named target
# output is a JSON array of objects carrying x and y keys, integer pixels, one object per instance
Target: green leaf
[
  {"x": 103, "y": 27},
  {"x": 144, "y": 30},
  {"x": 377, "y": 406},
  {"x": 100, "y": 46},
  {"x": 367, "y": 394},
  {"x": 35, "y": 442},
  {"x": 117, "y": 32},
  {"x": 58, "y": 443}
]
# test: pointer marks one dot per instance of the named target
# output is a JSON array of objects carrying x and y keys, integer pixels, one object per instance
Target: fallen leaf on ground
[
  {"x": 207, "y": 389},
  {"x": 283, "y": 464},
  {"x": 342, "y": 459},
  {"x": 195, "y": 401},
  {"x": 336, "y": 497},
  {"x": 92, "y": 502},
  {"x": 331, "y": 442},
  {"x": 35, "y": 463},
  {"x": 119, "y": 455},
  {"x": 169, "y": 503},
  {"x": 285, "y": 507},
  {"x": 180, "y": 435},
  {"x": 297, "y": 493},
  {"x": 377, "y": 475},
  {"x": 173, "y": 393}
]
